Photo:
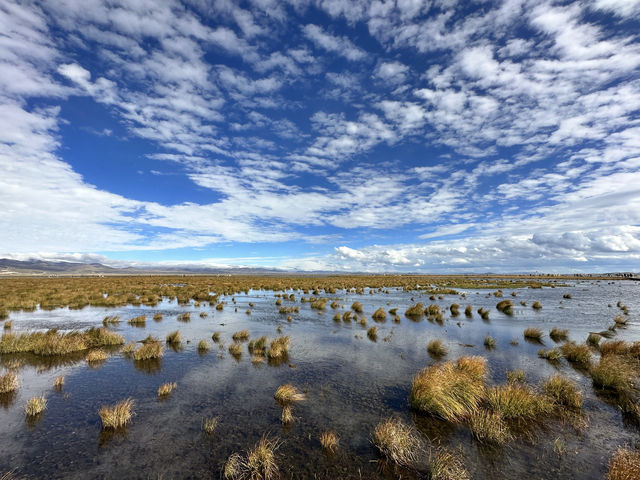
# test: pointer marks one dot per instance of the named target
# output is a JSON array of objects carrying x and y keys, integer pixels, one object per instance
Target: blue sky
[{"x": 422, "y": 136}]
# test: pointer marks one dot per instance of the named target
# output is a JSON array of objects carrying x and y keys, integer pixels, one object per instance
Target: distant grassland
[{"x": 77, "y": 292}]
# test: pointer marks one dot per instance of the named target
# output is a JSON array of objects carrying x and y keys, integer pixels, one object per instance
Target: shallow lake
[{"x": 351, "y": 383}]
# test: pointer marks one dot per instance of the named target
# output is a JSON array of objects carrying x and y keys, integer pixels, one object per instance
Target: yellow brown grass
[
  {"x": 329, "y": 440},
  {"x": 8, "y": 382},
  {"x": 148, "y": 351},
  {"x": 518, "y": 402},
  {"x": 436, "y": 348},
  {"x": 624, "y": 465},
  {"x": 35, "y": 406},
  {"x": 118, "y": 415},
  {"x": 562, "y": 392},
  {"x": 166, "y": 388},
  {"x": 398, "y": 442}
]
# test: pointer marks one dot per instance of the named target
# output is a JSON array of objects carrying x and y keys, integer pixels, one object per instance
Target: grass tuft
[
  {"x": 173, "y": 338},
  {"x": 287, "y": 394},
  {"x": 118, "y": 415},
  {"x": 166, "y": 388},
  {"x": 329, "y": 440},
  {"x": 35, "y": 406},
  {"x": 8, "y": 382},
  {"x": 372, "y": 333},
  {"x": 489, "y": 342},
  {"x": 149, "y": 351},
  {"x": 451, "y": 391},
  {"x": 533, "y": 333},
  {"x": 436, "y": 348},
  {"x": 575, "y": 353},
  {"x": 489, "y": 427},
  {"x": 562, "y": 391},
  {"x": 624, "y": 465},
  {"x": 209, "y": 425},
  {"x": 240, "y": 336},
  {"x": 398, "y": 442},
  {"x": 518, "y": 402},
  {"x": 446, "y": 465},
  {"x": 558, "y": 334}
]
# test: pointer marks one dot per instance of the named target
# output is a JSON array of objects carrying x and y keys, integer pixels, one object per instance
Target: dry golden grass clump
[
  {"x": 209, "y": 425},
  {"x": 96, "y": 357},
  {"x": 287, "y": 415},
  {"x": 8, "y": 382},
  {"x": 157, "y": 317},
  {"x": 446, "y": 465},
  {"x": 203, "y": 346},
  {"x": 173, "y": 337},
  {"x": 149, "y": 351},
  {"x": 620, "y": 320},
  {"x": 216, "y": 337},
  {"x": 379, "y": 315},
  {"x": 319, "y": 304},
  {"x": 166, "y": 388},
  {"x": 235, "y": 349},
  {"x": 594, "y": 339},
  {"x": 357, "y": 307},
  {"x": 489, "y": 427},
  {"x": 35, "y": 406},
  {"x": 615, "y": 372},
  {"x": 533, "y": 333},
  {"x": 58, "y": 383},
  {"x": 562, "y": 392},
  {"x": 516, "y": 376},
  {"x": 505, "y": 306},
  {"x": 489, "y": 342},
  {"x": 575, "y": 353},
  {"x": 279, "y": 348},
  {"x": 399, "y": 442},
  {"x": 258, "y": 347},
  {"x": 551, "y": 354},
  {"x": 624, "y": 465},
  {"x": 118, "y": 415},
  {"x": 372, "y": 333},
  {"x": 558, "y": 334},
  {"x": 415, "y": 310},
  {"x": 620, "y": 347},
  {"x": 7, "y": 325},
  {"x": 260, "y": 462},
  {"x": 452, "y": 390},
  {"x": 111, "y": 320},
  {"x": 53, "y": 342},
  {"x": 184, "y": 317},
  {"x": 140, "y": 320},
  {"x": 436, "y": 348},
  {"x": 515, "y": 401},
  {"x": 287, "y": 394},
  {"x": 129, "y": 348},
  {"x": 334, "y": 305},
  {"x": 454, "y": 309},
  {"x": 329, "y": 440},
  {"x": 484, "y": 313},
  {"x": 240, "y": 336},
  {"x": 536, "y": 305},
  {"x": 468, "y": 311}
]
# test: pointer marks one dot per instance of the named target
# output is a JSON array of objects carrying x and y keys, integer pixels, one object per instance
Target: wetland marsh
[{"x": 206, "y": 395}]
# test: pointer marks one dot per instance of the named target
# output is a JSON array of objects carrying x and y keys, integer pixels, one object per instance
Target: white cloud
[{"x": 331, "y": 43}]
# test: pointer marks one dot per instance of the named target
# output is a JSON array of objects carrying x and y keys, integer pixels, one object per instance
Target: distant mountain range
[{"x": 10, "y": 267}]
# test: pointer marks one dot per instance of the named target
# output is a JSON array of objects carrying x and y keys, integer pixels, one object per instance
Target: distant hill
[{"x": 10, "y": 267}]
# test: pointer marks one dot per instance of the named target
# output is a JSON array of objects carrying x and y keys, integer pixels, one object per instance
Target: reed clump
[
  {"x": 516, "y": 376},
  {"x": 58, "y": 383},
  {"x": 624, "y": 464},
  {"x": 174, "y": 338},
  {"x": 563, "y": 392},
  {"x": 436, "y": 348},
  {"x": 209, "y": 425},
  {"x": 329, "y": 440},
  {"x": 579, "y": 354},
  {"x": 536, "y": 305},
  {"x": 240, "y": 336},
  {"x": 558, "y": 334},
  {"x": 357, "y": 307},
  {"x": 149, "y": 351},
  {"x": 111, "y": 320},
  {"x": 552, "y": 354},
  {"x": 489, "y": 342},
  {"x": 516, "y": 401},
  {"x": 489, "y": 427},
  {"x": 454, "y": 309},
  {"x": 118, "y": 415},
  {"x": 235, "y": 349},
  {"x": 35, "y": 406},
  {"x": 399, "y": 442},
  {"x": 53, "y": 342},
  {"x": 533, "y": 333},
  {"x": 484, "y": 314},
  {"x": 594, "y": 339},
  {"x": 184, "y": 317},
  {"x": 452, "y": 390},
  {"x": 279, "y": 348},
  {"x": 379, "y": 315},
  {"x": 138, "y": 321},
  {"x": 287, "y": 394},
  {"x": 203, "y": 346},
  {"x": 157, "y": 317},
  {"x": 446, "y": 465},
  {"x": 505, "y": 306},
  {"x": 166, "y": 389},
  {"x": 216, "y": 337},
  {"x": 8, "y": 382},
  {"x": 95, "y": 357},
  {"x": 415, "y": 311},
  {"x": 468, "y": 311}
]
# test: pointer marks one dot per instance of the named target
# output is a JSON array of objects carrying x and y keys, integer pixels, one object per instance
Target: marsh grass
[
  {"x": 624, "y": 465},
  {"x": 446, "y": 465},
  {"x": 129, "y": 348},
  {"x": 536, "y": 305},
  {"x": 516, "y": 401},
  {"x": 489, "y": 427},
  {"x": 489, "y": 342},
  {"x": 184, "y": 317},
  {"x": 35, "y": 406},
  {"x": 279, "y": 348},
  {"x": 58, "y": 383},
  {"x": 551, "y": 354},
  {"x": 233, "y": 468},
  {"x": 240, "y": 336},
  {"x": 174, "y": 338},
  {"x": 118, "y": 415},
  {"x": 532, "y": 333},
  {"x": 111, "y": 320},
  {"x": 258, "y": 347},
  {"x": 329, "y": 441},
  {"x": 216, "y": 337},
  {"x": 261, "y": 461},
  {"x": 594, "y": 339},
  {"x": 579, "y": 354},
  {"x": 96, "y": 357},
  {"x": 416, "y": 310},
  {"x": 484, "y": 314},
  {"x": 203, "y": 346},
  {"x": 209, "y": 425},
  {"x": 468, "y": 311},
  {"x": 451, "y": 391},
  {"x": 516, "y": 376},
  {"x": 53, "y": 342},
  {"x": 9, "y": 382},
  {"x": 287, "y": 394},
  {"x": 436, "y": 348},
  {"x": 357, "y": 307},
  {"x": 287, "y": 415},
  {"x": 372, "y": 333},
  {"x": 559, "y": 335},
  {"x": 379, "y": 315},
  {"x": 157, "y": 317},
  {"x": 399, "y": 442},
  {"x": 139, "y": 321},
  {"x": 166, "y": 388},
  {"x": 454, "y": 309},
  {"x": 562, "y": 392},
  {"x": 235, "y": 349},
  {"x": 505, "y": 306},
  {"x": 148, "y": 351}
]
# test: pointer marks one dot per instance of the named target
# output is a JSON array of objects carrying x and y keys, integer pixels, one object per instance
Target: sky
[{"x": 435, "y": 136}]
